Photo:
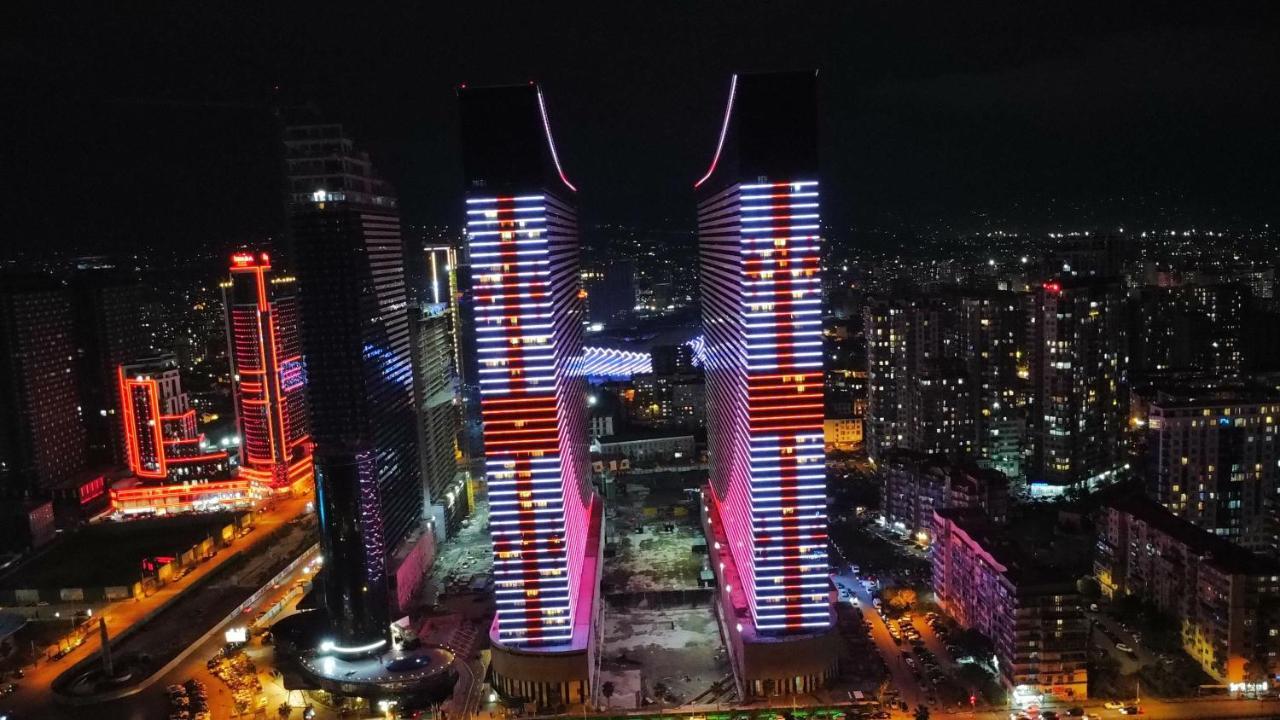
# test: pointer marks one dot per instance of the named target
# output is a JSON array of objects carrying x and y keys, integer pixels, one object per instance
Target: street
[{"x": 34, "y": 697}]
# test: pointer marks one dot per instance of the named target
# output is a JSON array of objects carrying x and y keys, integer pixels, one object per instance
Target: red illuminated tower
[
  {"x": 268, "y": 374},
  {"x": 765, "y": 507}
]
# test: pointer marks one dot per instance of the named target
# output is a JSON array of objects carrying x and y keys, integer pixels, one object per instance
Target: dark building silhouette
[
  {"x": 109, "y": 332},
  {"x": 355, "y": 322},
  {"x": 42, "y": 438}
]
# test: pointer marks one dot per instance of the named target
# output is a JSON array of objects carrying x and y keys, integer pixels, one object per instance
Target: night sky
[{"x": 151, "y": 125}]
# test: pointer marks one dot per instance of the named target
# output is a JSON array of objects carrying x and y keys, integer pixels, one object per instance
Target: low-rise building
[
  {"x": 1031, "y": 612},
  {"x": 914, "y": 484},
  {"x": 1224, "y": 599},
  {"x": 842, "y": 433},
  {"x": 647, "y": 448}
]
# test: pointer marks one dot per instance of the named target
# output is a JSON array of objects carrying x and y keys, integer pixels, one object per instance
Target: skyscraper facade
[
  {"x": 1081, "y": 366},
  {"x": 522, "y": 242},
  {"x": 1212, "y": 459},
  {"x": 42, "y": 438},
  {"x": 264, "y": 345},
  {"x": 439, "y": 416},
  {"x": 765, "y": 508},
  {"x": 355, "y": 338},
  {"x": 993, "y": 346}
]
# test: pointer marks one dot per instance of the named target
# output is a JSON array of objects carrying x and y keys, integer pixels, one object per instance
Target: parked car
[
  {"x": 1130, "y": 710},
  {"x": 1113, "y": 705},
  {"x": 1124, "y": 648}
]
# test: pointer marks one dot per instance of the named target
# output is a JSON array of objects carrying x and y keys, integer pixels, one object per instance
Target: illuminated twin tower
[{"x": 764, "y": 509}]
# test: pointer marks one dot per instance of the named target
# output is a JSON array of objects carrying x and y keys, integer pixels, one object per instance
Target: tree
[
  {"x": 922, "y": 712},
  {"x": 1089, "y": 588},
  {"x": 900, "y": 598},
  {"x": 607, "y": 689}
]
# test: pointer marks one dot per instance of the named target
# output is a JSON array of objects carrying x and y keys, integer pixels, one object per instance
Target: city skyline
[
  {"x": 828, "y": 361},
  {"x": 936, "y": 122}
]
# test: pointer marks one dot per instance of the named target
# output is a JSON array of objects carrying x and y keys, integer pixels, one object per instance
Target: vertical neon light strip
[
  {"x": 781, "y": 305},
  {"x": 516, "y": 339}
]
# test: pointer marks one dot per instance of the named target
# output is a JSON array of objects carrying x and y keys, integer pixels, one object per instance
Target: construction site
[{"x": 661, "y": 645}]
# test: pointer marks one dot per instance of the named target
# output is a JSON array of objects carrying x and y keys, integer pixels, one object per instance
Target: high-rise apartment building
[
  {"x": 1031, "y": 612},
  {"x": 526, "y": 299},
  {"x": 1190, "y": 328},
  {"x": 359, "y": 373},
  {"x": 994, "y": 349},
  {"x": 940, "y": 410},
  {"x": 909, "y": 338},
  {"x": 1220, "y": 597},
  {"x": 109, "y": 331},
  {"x": 1081, "y": 367},
  {"x": 1211, "y": 460},
  {"x": 439, "y": 416},
  {"x": 759, "y": 235},
  {"x": 269, "y": 376},
  {"x": 42, "y": 438},
  {"x": 884, "y": 325}
]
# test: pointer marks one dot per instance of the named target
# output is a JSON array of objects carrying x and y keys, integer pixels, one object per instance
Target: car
[
  {"x": 8, "y": 689},
  {"x": 1113, "y": 705},
  {"x": 1075, "y": 712},
  {"x": 1124, "y": 648},
  {"x": 1130, "y": 710},
  {"x": 1049, "y": 715}
]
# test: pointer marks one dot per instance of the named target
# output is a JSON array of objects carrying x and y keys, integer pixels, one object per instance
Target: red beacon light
[{"x": 1053, "y": 287}]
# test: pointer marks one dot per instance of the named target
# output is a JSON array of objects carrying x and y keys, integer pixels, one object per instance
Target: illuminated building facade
[
  {"x": 940, "y": 410},
  {"x": 913, "y": 485},
  {"x": 1082, "y": 382},
  {"x": 1031, "y": 613},
  {"x": 166, "y": 452},
  {"x": 1221, "y": 596},
  {"x": 1211, "y": 459},
  {"x": 993, "y": 345},
  {"x": 264, "y": 345},
  {"x": 354, "y": 306},
  {"x": 765, "y": 507},
  {"x": 522, "y": 243}
]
